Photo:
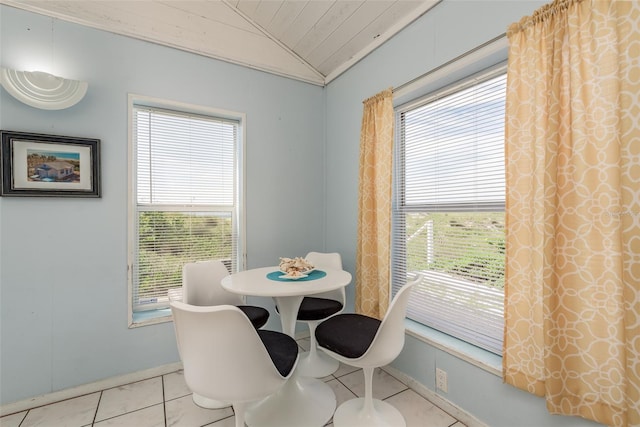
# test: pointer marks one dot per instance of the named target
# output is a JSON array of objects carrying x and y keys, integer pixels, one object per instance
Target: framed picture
[{"x": 49, "y": 165}]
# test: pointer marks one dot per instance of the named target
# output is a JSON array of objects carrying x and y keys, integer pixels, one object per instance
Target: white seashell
[{"x": 295, "y": 265}]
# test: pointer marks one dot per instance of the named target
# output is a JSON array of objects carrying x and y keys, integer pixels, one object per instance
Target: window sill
[
  {"x": 476, "y": 356},
  {"x": 150, "y": 317}
]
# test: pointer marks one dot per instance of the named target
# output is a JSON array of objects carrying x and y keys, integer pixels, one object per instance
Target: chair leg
[
  {"x": 367, "y": 411},
  {"x": 315, "y": 363},
  {"x": 313, "y": 344},
  {"x": 368, "y": 408}
]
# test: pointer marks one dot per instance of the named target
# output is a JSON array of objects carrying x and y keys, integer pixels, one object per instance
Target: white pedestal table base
[
  {"x": 207, "y": 403},
  {"x": 316, "y": 364},
  {"x": 301, "y": 402}
]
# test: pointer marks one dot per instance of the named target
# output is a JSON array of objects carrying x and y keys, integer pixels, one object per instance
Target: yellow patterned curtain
[
  {"x": 374, "y": 206},
  {"x": 572, "y": 299}
]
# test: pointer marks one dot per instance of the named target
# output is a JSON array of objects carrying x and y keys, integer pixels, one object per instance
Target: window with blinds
[
  {"x": 185, "y": 198},
  {"x": 448, "y": 213}
]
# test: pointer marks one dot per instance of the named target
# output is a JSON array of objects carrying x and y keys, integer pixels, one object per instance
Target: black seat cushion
[
  {"x": 282, "y": 349},
  {"x": 257, "y": 315},
  {"x": 313, "y": 308},
  {"x": 349, "y": 334}
]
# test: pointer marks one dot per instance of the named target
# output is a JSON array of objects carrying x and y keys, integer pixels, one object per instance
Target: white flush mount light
[{"x": 42, "y": 90}]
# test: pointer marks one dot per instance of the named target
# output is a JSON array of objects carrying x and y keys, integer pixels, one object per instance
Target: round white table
[{"x": 302, "y": 401}]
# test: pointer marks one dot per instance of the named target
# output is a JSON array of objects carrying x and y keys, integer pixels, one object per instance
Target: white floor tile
[
  {"x": 344, "y": 370},
  {"x": 140, "y": 404},
  {"x": 304, "y": 343},
  {"x": 131, "y": 397},
  {"x": 342, "y": 393},
  {"x": 227, "y": 422},
  {"x": 384, "y": 385},
  {"x": 418, "y": 411},
  {"x": 183, "y": 412},
  {"x": 12, "y": 420},
  {"x": 152, "y": 416},
  {"x": 74, "y": 412},
  {"x": 174, "y": 386}
]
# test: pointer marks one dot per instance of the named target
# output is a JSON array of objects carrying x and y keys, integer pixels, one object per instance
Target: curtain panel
[
  {"x": 373, "y": 252},
  {"x": 572, "y": 295}
]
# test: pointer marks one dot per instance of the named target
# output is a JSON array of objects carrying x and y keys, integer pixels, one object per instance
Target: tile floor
[{"x": 166, "y": 401}]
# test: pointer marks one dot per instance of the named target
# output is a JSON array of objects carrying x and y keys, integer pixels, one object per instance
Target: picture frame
[{"x": 33, "y": 164}]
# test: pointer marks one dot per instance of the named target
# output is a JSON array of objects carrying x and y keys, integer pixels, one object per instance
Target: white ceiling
[{"x": 313, "y": 40}]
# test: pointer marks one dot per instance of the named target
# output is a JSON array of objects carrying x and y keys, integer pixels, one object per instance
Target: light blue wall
[
  {"x": 63, "y": 262},
  {"x": 63, "y": 313},
  {"x": 449, "y": 30}
]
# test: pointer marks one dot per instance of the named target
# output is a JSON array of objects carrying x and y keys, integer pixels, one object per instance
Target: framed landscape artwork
[{"x": 49, "y": 165}]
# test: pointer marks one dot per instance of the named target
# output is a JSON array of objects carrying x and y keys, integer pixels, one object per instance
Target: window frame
[
  {"x": 162, "y": 315},
  {"x": 477, "y": 66}
]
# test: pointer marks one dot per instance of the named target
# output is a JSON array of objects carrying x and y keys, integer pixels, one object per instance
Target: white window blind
[
  {"x": 186, "y": 198},
  {"x": 448, "y": 214}
]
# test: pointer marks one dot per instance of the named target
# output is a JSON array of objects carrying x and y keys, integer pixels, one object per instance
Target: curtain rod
[{"x": 491, "y": 42}]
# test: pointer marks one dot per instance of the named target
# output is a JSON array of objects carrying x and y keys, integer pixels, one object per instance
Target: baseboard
[
  {"x": 107, "y": 383},
  {"x": 89, "y": 388},
  {"x": 81, "y": 390},
  {"x": 433, "y": 397}
]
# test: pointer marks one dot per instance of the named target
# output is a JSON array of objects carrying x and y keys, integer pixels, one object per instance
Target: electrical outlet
[{"x": 441, "y": 380}]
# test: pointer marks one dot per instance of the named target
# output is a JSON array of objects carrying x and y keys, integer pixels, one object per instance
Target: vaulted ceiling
[{"x": 313, "y": 40}]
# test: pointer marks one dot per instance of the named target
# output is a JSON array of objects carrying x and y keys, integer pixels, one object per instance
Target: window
[
  {"x": 185, "y": 198},
  {"x": 448, "y": 213}
]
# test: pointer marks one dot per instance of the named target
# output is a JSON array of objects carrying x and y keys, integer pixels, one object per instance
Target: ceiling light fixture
[{"x": 42, "y": 90}]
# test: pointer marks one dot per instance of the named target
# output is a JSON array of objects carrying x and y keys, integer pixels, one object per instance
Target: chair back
[
  {"x": 222, "y": 355},
  {"x": 201, "y": 284},
  {"x": 331, "y": 260},
  {"x": 389, "y": 339}
]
